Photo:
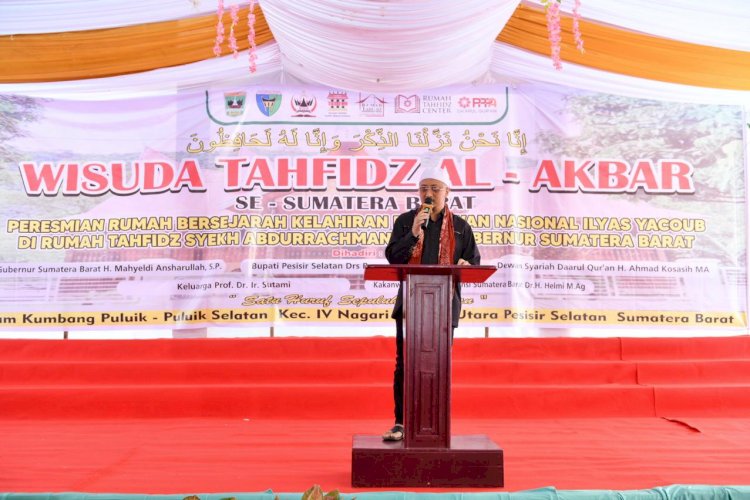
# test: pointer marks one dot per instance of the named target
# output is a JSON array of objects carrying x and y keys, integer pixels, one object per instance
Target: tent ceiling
[
  {"x": 362, "y": 44},
  {"x": 374, "y": 44}
]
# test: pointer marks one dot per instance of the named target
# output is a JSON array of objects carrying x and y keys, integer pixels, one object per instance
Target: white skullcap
[{"x": 437, "y": 173}]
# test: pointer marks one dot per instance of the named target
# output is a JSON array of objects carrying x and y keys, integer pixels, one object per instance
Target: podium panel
[
  {"x": 427, "y": 321},
  {"x": 472, "y": 461},
  {"x": 428, "y": 455}
]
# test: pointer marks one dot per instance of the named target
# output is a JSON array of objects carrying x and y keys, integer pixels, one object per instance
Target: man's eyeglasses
[{"x": 434, "y": 189}]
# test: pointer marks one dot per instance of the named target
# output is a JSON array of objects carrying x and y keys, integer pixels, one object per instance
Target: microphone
[{"x": 427, "y": 208}]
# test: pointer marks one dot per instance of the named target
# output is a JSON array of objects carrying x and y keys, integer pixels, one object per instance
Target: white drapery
[
  {"x": 717, "y": 23},
  {"x": 223, "y": 71},
  {"x": 373, "y": 46},
  {"x": 508, "y": 65},
  {"x": 56, "y": 16},
  {"x": 399, "y": 46}
]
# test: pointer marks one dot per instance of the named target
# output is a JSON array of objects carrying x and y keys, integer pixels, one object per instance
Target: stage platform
[
  {"x": 233, "y": 455},
  {"x": 231, "y": 415}
]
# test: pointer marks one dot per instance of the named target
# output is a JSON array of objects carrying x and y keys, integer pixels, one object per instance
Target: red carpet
[
  {"x": 169, "y": 416},
  {"x": 231, "y": 455}
]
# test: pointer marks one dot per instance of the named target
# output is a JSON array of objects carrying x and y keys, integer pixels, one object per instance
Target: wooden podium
[{"x": 428, "y": 455}]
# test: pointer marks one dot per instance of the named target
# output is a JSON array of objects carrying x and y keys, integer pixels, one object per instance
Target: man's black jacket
[{"x": 402, "y": 242}]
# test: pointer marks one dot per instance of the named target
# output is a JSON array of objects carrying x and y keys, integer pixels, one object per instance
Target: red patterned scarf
[{"x": 447, "y": 242}]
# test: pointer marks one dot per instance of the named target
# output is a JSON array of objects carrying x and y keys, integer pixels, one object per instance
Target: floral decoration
[
  {"x": 251, "y": 36},
  {"x": 576, "y": 26},
  {"x": 219, "y": 28},
  {"x": 234, "y": 13},
  {"x": 553, "y": 32},
  {"x": 552, "y": 10}
]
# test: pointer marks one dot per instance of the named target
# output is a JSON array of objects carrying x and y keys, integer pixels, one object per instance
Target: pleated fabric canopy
[{"x": 683, "y": 49}]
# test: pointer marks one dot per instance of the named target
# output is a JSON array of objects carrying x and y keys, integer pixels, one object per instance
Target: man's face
[{"x": 436, "y": 190}]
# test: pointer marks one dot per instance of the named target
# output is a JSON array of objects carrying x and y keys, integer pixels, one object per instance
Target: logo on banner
[
  {"x": 338, "y": 103},
  {"x": 304, "y": 106},
  {"x": 436, "y": 104},
  {"x": 371, "y": 105},
  {"x": 268, "y": 104},
  {"x": 477, "y": 103},
  {"x": 407, "y": 104},
  {"x": 234, "y": 103}
]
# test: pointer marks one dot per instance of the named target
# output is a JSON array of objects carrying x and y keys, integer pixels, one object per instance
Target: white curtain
[
  {"x": 223, "y": 71},
  {"x": 376, "y": 46},
  {"x": 716, "y": 23},
  {"x": 509, "y": 65},
  {"x": 54, "y": 16}
]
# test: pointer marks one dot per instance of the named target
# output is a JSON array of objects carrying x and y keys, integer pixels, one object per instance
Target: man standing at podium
[{"x": 430, "y": 234}]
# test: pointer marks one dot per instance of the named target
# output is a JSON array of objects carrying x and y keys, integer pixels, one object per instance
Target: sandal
[{"x": 395, "y": 434}]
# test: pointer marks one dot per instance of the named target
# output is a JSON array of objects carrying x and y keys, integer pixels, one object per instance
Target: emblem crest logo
[
  {"x": 304, "y": 105},
  {"x": 268, "y": 104},
  {"x": 234, "y": 103}
]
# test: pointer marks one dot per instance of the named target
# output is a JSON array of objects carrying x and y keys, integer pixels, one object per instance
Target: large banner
[{"x": 262, "y": 206}]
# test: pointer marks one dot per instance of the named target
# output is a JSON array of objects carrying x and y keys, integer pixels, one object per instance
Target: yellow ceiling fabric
[
  {"x": 634, "y": 54},
  {"x": 132, "y": 49},
  {"x": 117, "y": 51}
]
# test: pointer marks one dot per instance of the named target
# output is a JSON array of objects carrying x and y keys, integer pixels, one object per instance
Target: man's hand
[
  {"x": 462, "y": 262},
  {"x": 416, "y": 228}
]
